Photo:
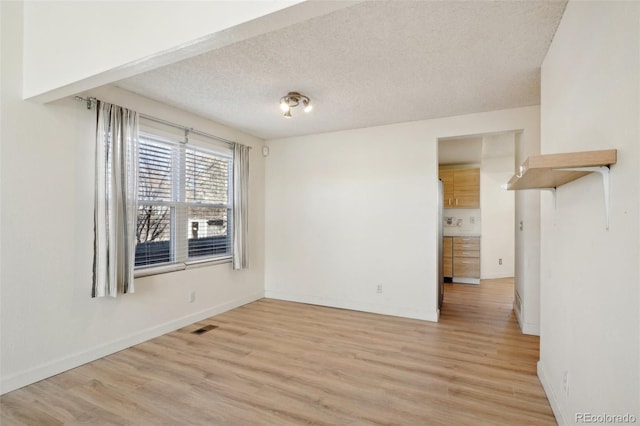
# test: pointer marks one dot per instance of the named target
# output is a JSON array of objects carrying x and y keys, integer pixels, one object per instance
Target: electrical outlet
[
  {"x": 472, "y": 220},
  {"x": 379, "y": 289},
  {"x": 192, "y": 296},
  {"x": 500, "y": 261},
  {"x": 565, "y": 382}
]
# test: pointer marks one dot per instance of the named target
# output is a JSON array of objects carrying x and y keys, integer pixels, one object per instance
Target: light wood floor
[{"x": 280, "y": 363}]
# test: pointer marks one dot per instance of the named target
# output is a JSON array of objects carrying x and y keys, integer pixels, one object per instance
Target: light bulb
[
  {"x": 284, "y": 104},
  {"x": 307, "y": 106},
  {"x": 287, "y": 114}
]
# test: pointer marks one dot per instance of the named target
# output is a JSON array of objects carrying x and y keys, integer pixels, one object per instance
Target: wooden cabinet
[
  {"x": 461, "y": 187},
  {"x": 447, "y": 257},
  {"x": 466, "y": 188},
  {"x": 466, "y": 257},
  {"x": 446, "y": 176}
]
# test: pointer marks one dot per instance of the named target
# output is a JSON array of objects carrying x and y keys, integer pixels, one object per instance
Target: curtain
[
  {"x": 240, "y": 210},
  {"x": 116, "y": 195}
]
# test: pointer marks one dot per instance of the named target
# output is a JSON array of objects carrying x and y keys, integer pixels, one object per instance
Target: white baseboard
[
  {"x": 525, "y": 327},
  {"x": 57, "y": 366},
  {"x": 458, "y": 280},
  {"x": 496, "y": 276},
  {"x": 529, "y": 328},
  {"x": 354, "y": 306},
  {"x": 551, "y": 396}
]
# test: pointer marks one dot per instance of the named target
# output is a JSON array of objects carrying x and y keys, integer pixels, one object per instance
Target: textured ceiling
[{"x": 370, "y": 64}]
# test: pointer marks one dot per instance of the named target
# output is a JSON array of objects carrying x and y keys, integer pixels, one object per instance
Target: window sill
[
  {"x": 207, "y": 262},
  {"x": 164, "y": 269}
]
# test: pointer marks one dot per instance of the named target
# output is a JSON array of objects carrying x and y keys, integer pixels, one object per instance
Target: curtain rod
[{"x": 92, "y": 101}]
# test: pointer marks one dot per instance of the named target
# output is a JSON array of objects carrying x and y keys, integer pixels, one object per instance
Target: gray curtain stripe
[
  {"x": 115, "y": 204},
  {"x": 240, "y": 206}
]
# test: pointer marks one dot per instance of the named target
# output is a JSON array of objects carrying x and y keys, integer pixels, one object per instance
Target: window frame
[{"x": 179, "y": 236}]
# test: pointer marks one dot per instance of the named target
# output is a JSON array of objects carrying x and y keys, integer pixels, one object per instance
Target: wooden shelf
[{"x": 553, "y": 170}]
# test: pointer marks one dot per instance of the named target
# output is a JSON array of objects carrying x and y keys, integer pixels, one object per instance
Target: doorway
[{"x": 478, "y": 227}]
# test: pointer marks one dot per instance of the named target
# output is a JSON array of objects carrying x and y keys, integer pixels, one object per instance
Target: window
[{"x": 184, "y": 202}]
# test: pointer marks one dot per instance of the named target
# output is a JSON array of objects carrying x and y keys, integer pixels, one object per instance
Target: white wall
[
  {"x": 590, "y": 324},
  {"x": 464, "y": 222},
  {"x": 48, "y": 321},
  {"x": 348, "y": 211},
  {"x": 105, "y": 41},
  {"x": 82, "y": 28},
  {"x": 498, "y": 212},
  {"x": 527, "y": 246}
]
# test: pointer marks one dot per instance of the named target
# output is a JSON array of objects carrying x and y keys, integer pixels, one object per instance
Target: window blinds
[{"x": 184, "y": 209}]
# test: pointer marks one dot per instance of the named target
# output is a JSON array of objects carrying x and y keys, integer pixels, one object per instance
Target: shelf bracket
[{"x": 604, "y": 171}]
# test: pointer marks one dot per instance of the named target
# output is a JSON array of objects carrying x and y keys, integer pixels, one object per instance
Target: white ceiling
[
  {"x": 370, "y": 64},
  {"x": 460, "y": 151},
  {"x": 473, "y": 149}
]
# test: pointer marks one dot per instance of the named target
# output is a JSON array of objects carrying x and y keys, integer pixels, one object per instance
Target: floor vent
[{"x": 204, "y": 329}]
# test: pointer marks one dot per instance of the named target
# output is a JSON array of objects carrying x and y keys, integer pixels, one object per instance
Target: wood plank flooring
[{"x": 281, "y": 363}]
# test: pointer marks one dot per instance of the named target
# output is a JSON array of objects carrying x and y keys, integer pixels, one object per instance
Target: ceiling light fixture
[{"x": 292, "y": 100}]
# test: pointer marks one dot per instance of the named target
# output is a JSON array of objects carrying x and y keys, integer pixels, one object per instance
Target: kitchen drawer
[
  {"x": 466, "y": 243},
  {"x": 466, "y": 253},
  {"x": 466, "y": 267}
]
